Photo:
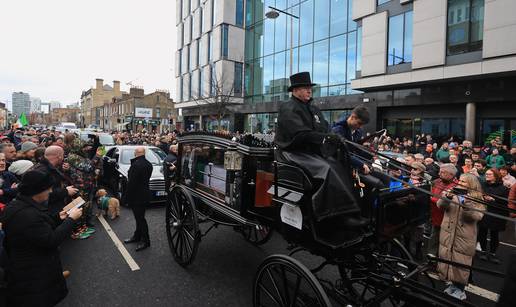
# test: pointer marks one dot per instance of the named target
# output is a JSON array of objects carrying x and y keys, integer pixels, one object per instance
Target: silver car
[{"x": 116, "y": 167}]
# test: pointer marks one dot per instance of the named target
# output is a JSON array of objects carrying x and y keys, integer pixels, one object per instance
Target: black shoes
[
  {"x": 142, "y": 245},
  {"x": 131, "y": 240}
]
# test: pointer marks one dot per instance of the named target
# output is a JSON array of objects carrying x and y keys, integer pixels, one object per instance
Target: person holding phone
[
  {"x": 458, "y": 235},
  {"x": 32, "y": 239}
]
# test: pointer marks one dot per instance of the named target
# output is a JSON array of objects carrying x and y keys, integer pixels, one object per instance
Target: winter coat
[
  {"x": 139, "y": 174},
  {"x": 56, "y": 201},
  {"x": 32, "y": 238},
  {"x": 512, "y": 199},
  {"x": 437, "y": 188},
  {"x": 495, "y": 206},
  {"x": 495, "y": 161},
  {"x": 6, "y": 181},
  {"x": 458, "y": 238}
]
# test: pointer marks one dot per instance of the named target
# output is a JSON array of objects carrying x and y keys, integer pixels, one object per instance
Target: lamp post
[{"x": 273, "y": 14}]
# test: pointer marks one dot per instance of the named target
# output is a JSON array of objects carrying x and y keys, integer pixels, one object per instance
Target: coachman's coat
[{"x": 299, "y": 136}]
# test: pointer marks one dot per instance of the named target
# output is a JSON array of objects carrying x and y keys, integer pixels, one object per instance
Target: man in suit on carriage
[{"x": 300, "y": 134}]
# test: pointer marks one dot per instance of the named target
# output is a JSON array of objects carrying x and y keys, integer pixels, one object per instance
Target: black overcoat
[
  {"x": 299, "y": 136},
  {"x": 138, "y": 191},
  {"x": 34, "y": 271},
  {"x": 498, "y": 206},
  {"x": 57, "y": 197}
]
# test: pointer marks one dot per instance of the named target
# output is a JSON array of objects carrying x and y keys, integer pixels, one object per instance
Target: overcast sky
[{"x": 54, "y": 49}]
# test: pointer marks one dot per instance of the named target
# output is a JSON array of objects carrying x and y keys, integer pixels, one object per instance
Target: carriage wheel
[
  {"x": 361, "y": 291},
  {"x": 257, "y": 235},
  {"x": 182, "y": 228},
  {"x": 283, "y": 281}
]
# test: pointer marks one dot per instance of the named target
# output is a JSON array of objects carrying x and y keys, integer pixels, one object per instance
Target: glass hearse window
[{"x": 203, "y": 168}]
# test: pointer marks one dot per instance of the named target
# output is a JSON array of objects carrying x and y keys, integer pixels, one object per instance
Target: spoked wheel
[
  {"x": 257, "y": 235},
  {"x": 182, "y": 229},
  {"x": 392, "y": 263},
  {"x": 283, "y": 281}
]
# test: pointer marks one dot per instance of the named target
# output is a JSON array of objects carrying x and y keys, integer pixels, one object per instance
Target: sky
[{"x": 55, "y": 49}]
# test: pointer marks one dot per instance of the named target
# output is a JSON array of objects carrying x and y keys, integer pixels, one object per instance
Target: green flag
[{"x": 22, "y": 120}]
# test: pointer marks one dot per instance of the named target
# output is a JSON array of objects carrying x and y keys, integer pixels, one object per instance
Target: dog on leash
[{"x": 108, "y": 205}]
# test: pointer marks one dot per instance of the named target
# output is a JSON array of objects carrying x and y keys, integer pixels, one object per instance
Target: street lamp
[{"x": 273, "y": 14}]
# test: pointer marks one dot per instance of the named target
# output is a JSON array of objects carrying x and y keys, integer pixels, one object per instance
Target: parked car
[
  {"x": 116, "y": 166},
  {"x": 105, "y": 139},
  {"x": 64, "y": 126}
]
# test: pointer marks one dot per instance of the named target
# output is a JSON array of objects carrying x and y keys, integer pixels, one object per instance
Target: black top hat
[{"x": 300, "y": 79}]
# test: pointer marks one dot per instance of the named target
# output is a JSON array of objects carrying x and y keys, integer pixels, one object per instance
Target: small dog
[{"x": 108, "y": 205}]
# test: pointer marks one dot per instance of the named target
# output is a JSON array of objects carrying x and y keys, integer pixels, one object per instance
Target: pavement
[{"x": 221, "y": 274}]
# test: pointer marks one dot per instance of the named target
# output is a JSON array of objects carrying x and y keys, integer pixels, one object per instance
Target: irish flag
[{"x": 22, "y": 121}]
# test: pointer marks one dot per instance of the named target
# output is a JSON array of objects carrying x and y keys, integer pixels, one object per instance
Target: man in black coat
[
  {"x": 34, "y": 271},
  {"x": 138, "y": 197},
  {"x": 300, "y": 134},
  {"x": 51, "y": 164}
]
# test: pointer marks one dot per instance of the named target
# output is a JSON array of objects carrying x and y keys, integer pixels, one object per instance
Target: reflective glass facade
[
  {"x": 465, "y": 26},
  {"x": 324, "y": 43}
]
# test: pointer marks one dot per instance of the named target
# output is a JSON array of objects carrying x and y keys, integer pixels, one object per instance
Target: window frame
[{"x": 403, "y": 40}]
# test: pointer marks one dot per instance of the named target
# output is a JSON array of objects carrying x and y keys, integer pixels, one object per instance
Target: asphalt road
[{"x": 221, "y": 274}]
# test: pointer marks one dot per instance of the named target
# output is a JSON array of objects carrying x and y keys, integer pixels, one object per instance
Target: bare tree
[{"x": 218, "y": 97}]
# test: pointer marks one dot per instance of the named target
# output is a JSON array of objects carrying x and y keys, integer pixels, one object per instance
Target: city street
[{"x": 221, "y": 274}]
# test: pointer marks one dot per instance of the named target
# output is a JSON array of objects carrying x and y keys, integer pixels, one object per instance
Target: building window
[
  {"x": 201, "y": 20},
  {"x": 180, "y": 60},
  {"x": 210, "y": 49},
  {"x": 380, "y": 2},
  {"x": 224, "y": 41},
  {"x": 237, "y": 84},
  {"x": 465, "y": 26},
  {"x": 239, "y": 17},
  {"x": 158, "y": 115},
  {"x": 201, "y": 91},
  {"x": 198, "y": 54},
  {"x": 399, "y": 50}
]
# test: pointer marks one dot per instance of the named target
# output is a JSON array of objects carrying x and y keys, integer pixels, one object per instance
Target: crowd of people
[
  {"x": 41, "y": 171},
  {"x": 47, "y": 169},
  {"x": 466, "y": 181}
]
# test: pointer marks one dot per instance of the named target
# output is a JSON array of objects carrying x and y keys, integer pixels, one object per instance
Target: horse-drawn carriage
[{"x": 238, "y": 182}]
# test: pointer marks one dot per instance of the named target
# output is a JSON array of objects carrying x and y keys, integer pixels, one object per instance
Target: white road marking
[
  {"x": 476, "y": 290},
  {"x": 121, "y": 248}
]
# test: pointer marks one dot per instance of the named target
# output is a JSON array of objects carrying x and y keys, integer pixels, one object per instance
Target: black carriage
[{"x": 237, "y": 182}]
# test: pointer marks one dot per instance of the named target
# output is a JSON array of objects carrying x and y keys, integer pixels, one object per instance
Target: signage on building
[{"x": 143, "y": 112}]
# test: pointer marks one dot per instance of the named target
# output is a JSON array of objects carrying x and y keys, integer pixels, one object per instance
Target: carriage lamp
[{"x": 232, "y": 161}]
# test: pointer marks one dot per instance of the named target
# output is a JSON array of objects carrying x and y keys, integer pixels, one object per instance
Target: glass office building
[{"x": 324, "y": 42}]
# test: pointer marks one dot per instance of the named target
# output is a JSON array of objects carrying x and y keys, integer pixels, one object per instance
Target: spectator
[
  {"x": 494, "y": 160},
  {"x": 9, "y": 151},
  {"x": 468, "y": 165},
  {"x": 34, "y": 272},
  {"x": 445, "y": 182},
  {"x": 507, "y": 179},
  {"x": 479, "y": 170},
  {"x": 27, "y": 151},
  {"x": 443, "y": 154},
  {"x": 53, "y": 160},
  {"x": 39, "y": 154},
  {"x": 169, "y": 166},
  {"x": 494, "y": 190},
  {"x": 20, "y": 167},
  {"x": 458, "y": 235},
  {"x": 432, "y": 168},
  {"x": 8, "y": 184},
  {"x": 429, "y": 151},
  {"x": 455, "y": 161}
]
